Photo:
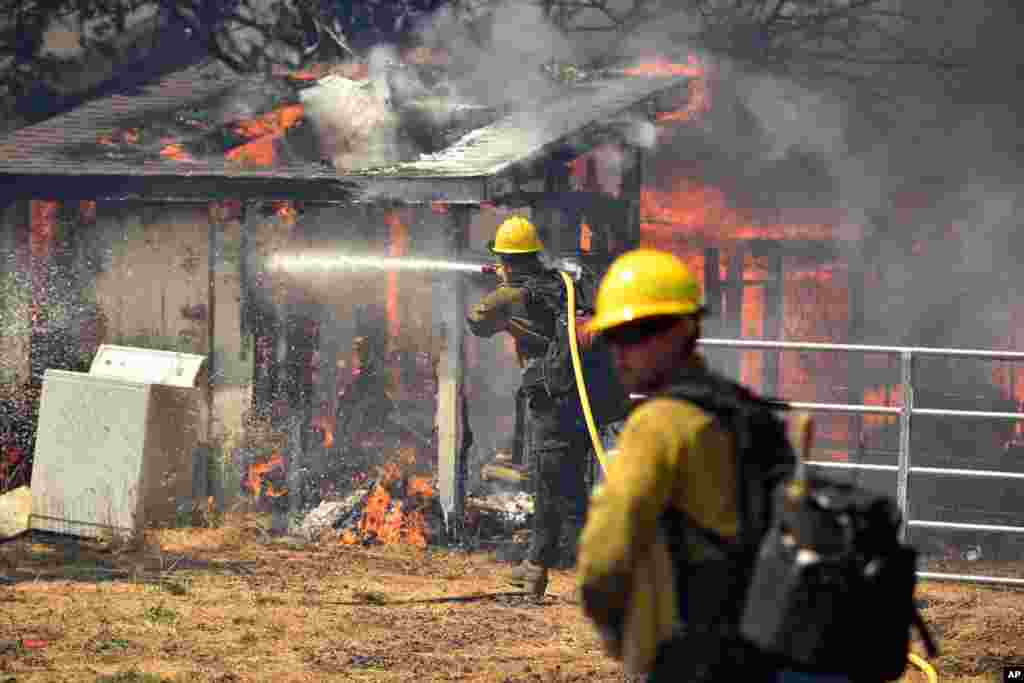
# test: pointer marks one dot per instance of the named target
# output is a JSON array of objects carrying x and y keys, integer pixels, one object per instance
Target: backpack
[
  {"x": 832, "y": 571},
  {"x": 609, "y": 401},
  {"x": 759, "y": 593}
]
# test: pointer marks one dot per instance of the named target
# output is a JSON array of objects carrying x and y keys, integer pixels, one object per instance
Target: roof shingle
[{"x": 63, "y": 156}]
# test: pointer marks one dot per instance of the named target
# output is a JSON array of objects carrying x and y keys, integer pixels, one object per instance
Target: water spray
[{"x": 325, "y": 263}]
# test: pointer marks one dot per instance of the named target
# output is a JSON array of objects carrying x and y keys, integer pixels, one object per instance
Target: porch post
[
  {"x": 632, "y": 189},
  {"x": 773, "y": 312},
  {"x": 451, "y": 423},
  {"x": 732, "y": 320}
]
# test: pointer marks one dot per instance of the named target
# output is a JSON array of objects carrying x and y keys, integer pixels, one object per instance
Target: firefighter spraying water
[{"x": 534, "y": 303}]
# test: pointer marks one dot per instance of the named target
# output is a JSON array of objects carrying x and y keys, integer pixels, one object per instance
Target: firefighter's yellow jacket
[{"x": 670, "y": 453}]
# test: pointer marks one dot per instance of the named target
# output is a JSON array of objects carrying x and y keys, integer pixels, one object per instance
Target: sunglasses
[{"x": 639, "y": 332}]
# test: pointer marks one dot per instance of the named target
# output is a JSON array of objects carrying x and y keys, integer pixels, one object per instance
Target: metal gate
[{"x": 906, "y": 412}]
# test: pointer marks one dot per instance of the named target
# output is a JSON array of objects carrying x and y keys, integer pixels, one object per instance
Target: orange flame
[
  {"x": 397, "y": 247},
  {"x": 662, "y": 67},
  {"x": 693, "y": 210},
  {"x": 176, "y": 152},
  {"x": 254, "y": 477},
  {"x": 698, "y": 102},
  {"x": 387, "y": 520},
  {"x": 286, "y": 212},
  {"x": 325, "y": 424},
  {"x": 271, "y": 123},
  {"x": 262, "y": 132}
]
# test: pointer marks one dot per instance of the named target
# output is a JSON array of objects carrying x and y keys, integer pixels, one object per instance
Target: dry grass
[{"x": 228, "y": 605}]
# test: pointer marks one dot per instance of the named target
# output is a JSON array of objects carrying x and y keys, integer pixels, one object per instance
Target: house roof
[{"x": 73, "y": 155}]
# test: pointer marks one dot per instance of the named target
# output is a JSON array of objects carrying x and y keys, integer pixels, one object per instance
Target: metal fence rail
[{"x": 906, "y": 411}]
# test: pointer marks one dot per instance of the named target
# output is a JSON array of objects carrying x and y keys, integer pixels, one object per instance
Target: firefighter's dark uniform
[{"x": 557, "y": 456}]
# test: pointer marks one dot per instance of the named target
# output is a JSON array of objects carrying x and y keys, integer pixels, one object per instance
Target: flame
[
  {"x": 663, "y": 67},
  {"x": 286, "y": 212},
  {"x": 397, "y": 248},
  {"x": 262, "y": 132},
  {"x": 698, "y": 102},
  {"x": 586, "y": 236},
  {"x": 698, "y": 97},
  {"x": 420, "y": 486},
  {"x": 175, "y": 152},
  {"x": 258, "y": 152},
  {"x": 254, "y": 478},
  {"x": 43, "y": 227},
  {"x": 694, "y": 210},
  {"x": 324, "y": 423},
  {"x": 387, "y": 520},
  {"x": 128, "y": 136},
  {"x": 271, "y": 123}
]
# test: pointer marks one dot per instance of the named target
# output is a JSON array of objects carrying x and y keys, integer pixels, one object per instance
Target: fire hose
[{"x": 581, "y": 387}]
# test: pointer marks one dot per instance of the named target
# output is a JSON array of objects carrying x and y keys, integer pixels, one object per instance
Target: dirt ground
[{"x": 230, "y": 605}]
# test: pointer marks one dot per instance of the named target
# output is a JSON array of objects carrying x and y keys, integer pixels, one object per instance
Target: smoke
[
  {"x": 934, "y": 169},
  {"x": 498, "y": 59},
  {"x": 930, "y": 176}
]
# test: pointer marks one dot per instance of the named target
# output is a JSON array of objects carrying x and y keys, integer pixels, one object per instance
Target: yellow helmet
[
  {"x": 516, "y": 236},
  {"x": 644, "y": 283}
]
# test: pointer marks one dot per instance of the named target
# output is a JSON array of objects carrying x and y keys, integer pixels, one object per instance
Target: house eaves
[{"x": 46, "y": 160}]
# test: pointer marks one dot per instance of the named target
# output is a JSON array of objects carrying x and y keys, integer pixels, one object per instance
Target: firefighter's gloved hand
[{"x": 584, "y": 337}]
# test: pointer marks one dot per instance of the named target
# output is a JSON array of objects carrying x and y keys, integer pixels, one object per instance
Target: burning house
[{"x": 151, "y": 217}]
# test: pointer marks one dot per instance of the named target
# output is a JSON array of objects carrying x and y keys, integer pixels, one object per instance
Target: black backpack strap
[{"x": 740, "y": 411}]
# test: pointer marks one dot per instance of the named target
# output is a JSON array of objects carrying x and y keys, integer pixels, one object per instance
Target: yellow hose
[
  {"x": 581, "y": 387},
  {"x": 924, "y": 666},
  {"x": 577, "y": 366}
]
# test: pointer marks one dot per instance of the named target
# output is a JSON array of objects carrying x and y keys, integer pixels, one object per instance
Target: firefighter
[
  {"x": 673, "y": 460},
  {"x": 557, "y": 455}
]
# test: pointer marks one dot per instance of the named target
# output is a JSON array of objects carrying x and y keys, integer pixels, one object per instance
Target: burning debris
[
  {"x": 265, "y": 479},
  {"x": 399, "y": 506}
]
